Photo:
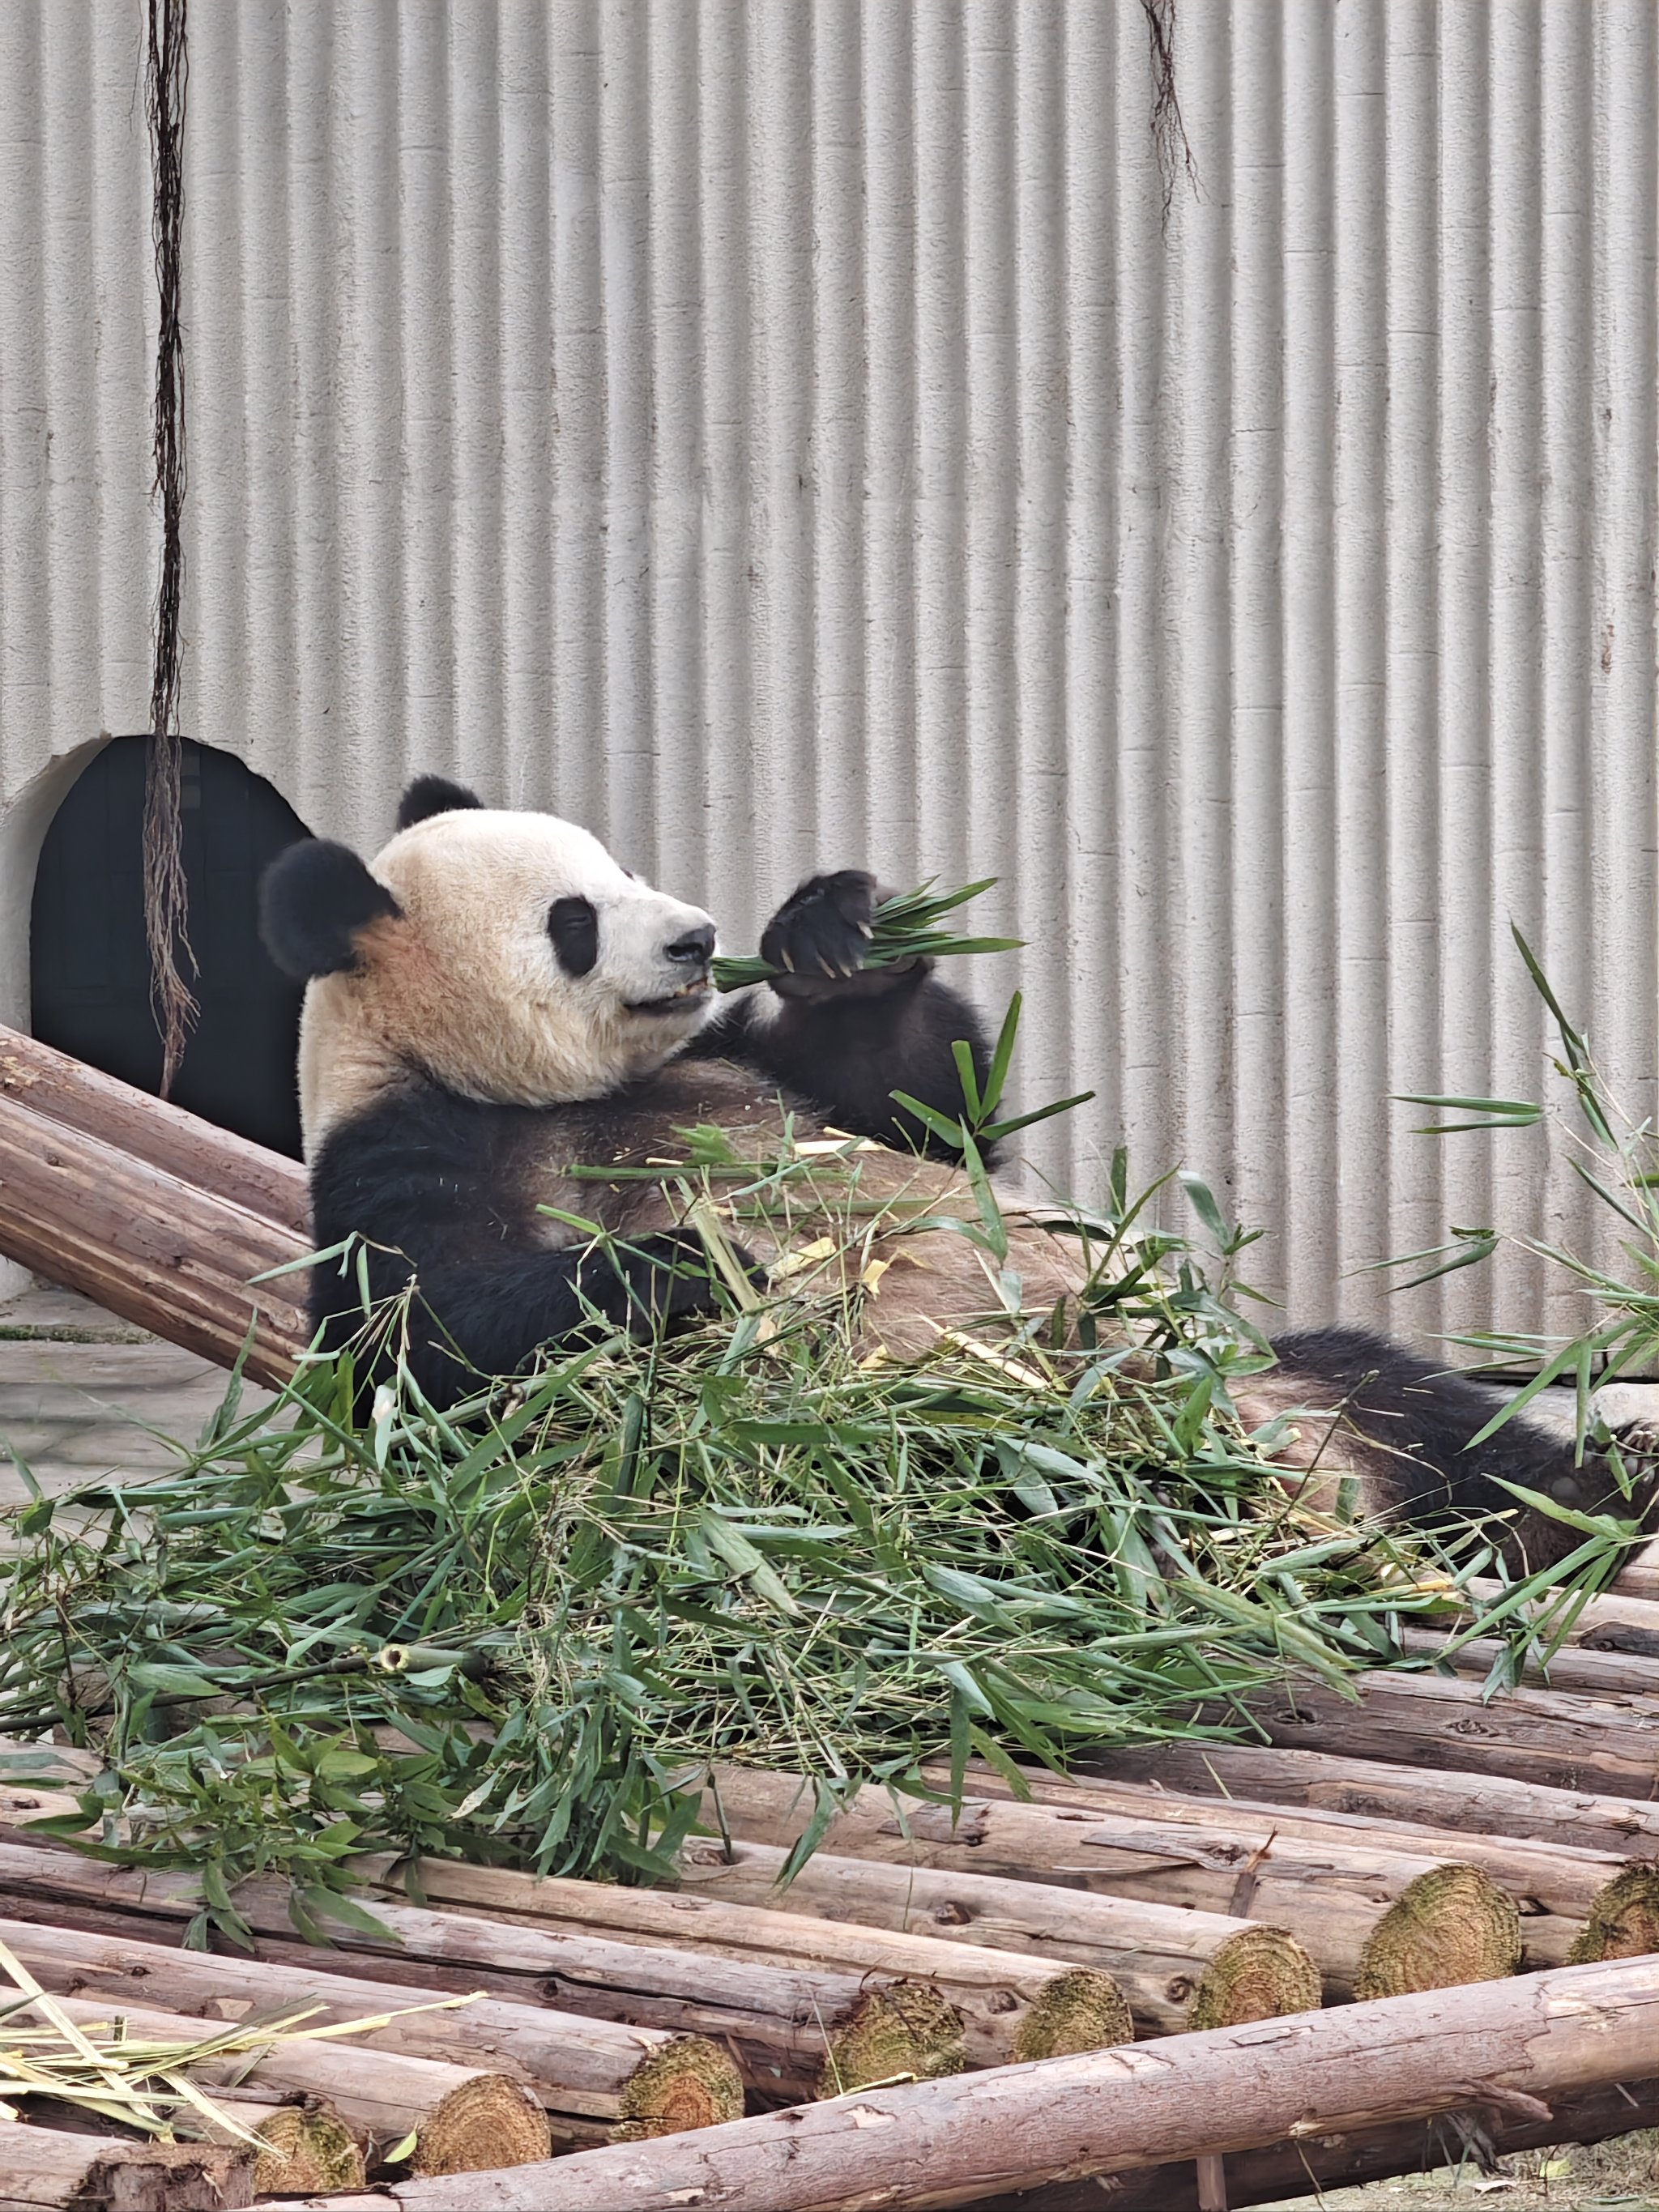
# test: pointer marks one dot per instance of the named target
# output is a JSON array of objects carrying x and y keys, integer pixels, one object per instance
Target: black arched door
[{"x": 90, "y": 966}]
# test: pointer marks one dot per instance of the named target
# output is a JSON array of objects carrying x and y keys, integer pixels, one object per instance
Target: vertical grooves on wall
[
  {"x": 788, "y": 435},
  {"x": 1408, "y": 1003},
  {"x": 1310, "y": 1252},
  {"x": 527, "y": 682}
]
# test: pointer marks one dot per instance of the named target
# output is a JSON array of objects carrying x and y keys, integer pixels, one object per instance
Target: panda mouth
[{"x": 676, "y": 1002}]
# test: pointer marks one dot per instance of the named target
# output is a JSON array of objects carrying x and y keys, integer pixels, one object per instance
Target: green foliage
[
  {"x": 520, "y": 1630},
  {"x": 904, "y": 927}
]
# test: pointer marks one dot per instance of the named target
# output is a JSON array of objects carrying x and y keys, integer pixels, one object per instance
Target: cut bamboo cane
[
  {"x": 1178, "y": 1968},
  {"x": 464, "y": 2119},
  {"x": 66, "y": 1090},
  {"x": 591, "y": 2076},
  {"x": 40, "y": 2167},
  {"x": 1337, "y": 1901},
  {"x": 1543, "y": 1878},
  {"x": 1515, "y": 2043},
  {"x": 1345, "y": 2159},
  {"x": 1548, "y": 1736},
  {"x": 148, "y": 1245},
  {"x": 1477, "y": 1804},
  {"x": 783, "y": 2027}
]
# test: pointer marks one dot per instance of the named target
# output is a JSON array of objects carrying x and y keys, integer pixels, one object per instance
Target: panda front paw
[
  {"x": 818, "y": 937},
  {"x": 672, "y": 1278}
]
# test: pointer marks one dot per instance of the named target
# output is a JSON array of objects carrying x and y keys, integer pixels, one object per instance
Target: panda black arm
[
  {"x": 428, "y": 1180},
  {"x": 845, "y": 1037}
]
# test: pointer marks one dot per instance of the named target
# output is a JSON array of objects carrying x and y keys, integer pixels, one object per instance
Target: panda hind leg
[{"x": 1423, "y": 1417}]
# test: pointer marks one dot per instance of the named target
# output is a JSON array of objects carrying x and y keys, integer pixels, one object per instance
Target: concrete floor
[{"x": 81, "y": 1392}]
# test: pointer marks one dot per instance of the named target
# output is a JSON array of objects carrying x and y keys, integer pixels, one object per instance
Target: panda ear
[
  {"x": 433, "y": 794},
  {"x": 314, "y": 899}
]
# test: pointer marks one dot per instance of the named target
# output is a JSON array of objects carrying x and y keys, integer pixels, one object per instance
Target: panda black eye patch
[{"x": 573, "y": 926}]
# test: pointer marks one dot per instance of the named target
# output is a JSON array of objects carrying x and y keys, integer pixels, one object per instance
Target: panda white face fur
[{"x": 532, "y": 968}]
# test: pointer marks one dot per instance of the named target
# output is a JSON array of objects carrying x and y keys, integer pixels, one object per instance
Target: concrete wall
[{"x": 774, "y": 432}]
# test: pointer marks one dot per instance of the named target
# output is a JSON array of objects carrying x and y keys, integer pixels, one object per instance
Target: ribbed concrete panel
[{"x": 781, "y": 432}]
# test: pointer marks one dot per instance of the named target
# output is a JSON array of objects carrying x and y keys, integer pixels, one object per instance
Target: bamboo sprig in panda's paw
[{"x": 901, "y": 930}]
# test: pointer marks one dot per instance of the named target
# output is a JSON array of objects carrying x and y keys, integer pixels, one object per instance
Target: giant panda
[{"x": 495, "y": 1000}]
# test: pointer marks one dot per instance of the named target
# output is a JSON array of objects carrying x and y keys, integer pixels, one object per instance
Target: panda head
[{"x": 505, "y": 956}]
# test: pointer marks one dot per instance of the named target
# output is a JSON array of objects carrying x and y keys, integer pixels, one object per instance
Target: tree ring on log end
[
  {"x": 1082, "y": 2010},
  {"x": 489, "y": 2120},
  {"x": 908, "y": 2031},
  {"x": 1452, "y": 1925},
  {"x": 1258, "y": 1974},
  {"x": 687, "y": 2083},
  {"x": 1624, "y": 1916}
]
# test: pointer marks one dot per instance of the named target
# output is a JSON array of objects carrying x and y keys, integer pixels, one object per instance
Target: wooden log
[
  {"x": 590, "y": 2076},
  {"x": 1350, "y": 1906},
  {"x": 1589, "y": 1670},
  {"x": 1515, "y": 2044},
  {"x": 1639, "y": 1576},
  {"x": 1475, "y": 1804},
  {"x": 785, "y": 2028},
  {"x": 41, "y": 2167},
  {"x": 1477, "y": 2136},
  {"x": 1179, "y": 1969},
  {"x": 148, "y": 1245},
  {"x": 466, "y": 2119},
  {"x": 1555, "y": 1879},
  {"x": 304, "y": 2145},
  {"x": 1550, "y": 1736},
  {"x": 64, "y": 1090},
  {"x": 1612, "y": 1621}
]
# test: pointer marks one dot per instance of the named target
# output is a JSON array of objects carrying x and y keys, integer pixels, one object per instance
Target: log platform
[{"x": 1421, "y": 1924}]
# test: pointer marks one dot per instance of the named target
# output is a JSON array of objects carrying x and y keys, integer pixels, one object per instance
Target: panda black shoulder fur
[{"x": 497, "y": 1000}]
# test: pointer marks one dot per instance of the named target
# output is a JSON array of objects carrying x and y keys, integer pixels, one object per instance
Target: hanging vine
[
  {"x": 166, "y": 896},
  {"x": 1175, "y": 151}
]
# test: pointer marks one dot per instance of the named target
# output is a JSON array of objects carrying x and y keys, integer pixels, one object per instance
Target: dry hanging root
[
  {"x": 1624, "y": 1921},
  {"x": 1450, "y": 1926}
]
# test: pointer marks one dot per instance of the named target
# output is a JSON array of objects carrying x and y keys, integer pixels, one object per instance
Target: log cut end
[
  {"x": 687, "y": 2083},
  {"x": 1083, "y": 2010},
  {"x": 1452, "y": 1925},
  {"x": 490, "y": 2120},
  {"x": 1624, "y": 1916},
  {"x": 906, "y": 2032},
  {"x": 306, "y": 2147},
  {"x": 1257, "y": 1974}
]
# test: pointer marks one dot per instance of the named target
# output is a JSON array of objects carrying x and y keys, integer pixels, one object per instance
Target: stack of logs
[
  {"x": 1145, "y": 1957},
  {"x": 1130, "y": 1975}
]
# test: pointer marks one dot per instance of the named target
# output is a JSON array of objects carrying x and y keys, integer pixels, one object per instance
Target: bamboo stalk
[
  {"x": 150, "y": 1246},
  {"x": 590, "y": 2076},
  {"x": 1178, "y": 1968},
  {"x": 1473, "y": 1804},
  {"x": 1611, "y": 1621},
  {"x": 1350, "y": 1906},
  {"x": 784, "y": 2027},
  {"x": 1516, "y": 2044},
  {"x": 42, "y": 2167},
  {"x": 66, "y": 1090},
  {"x": 466, "y": 2119}
]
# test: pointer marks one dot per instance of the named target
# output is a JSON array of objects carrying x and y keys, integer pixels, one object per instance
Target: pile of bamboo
[{"x": 1420, "y": 1926}]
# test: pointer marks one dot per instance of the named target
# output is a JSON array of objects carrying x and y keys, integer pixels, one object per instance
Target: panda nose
[{"x": 695, "y": 949}]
